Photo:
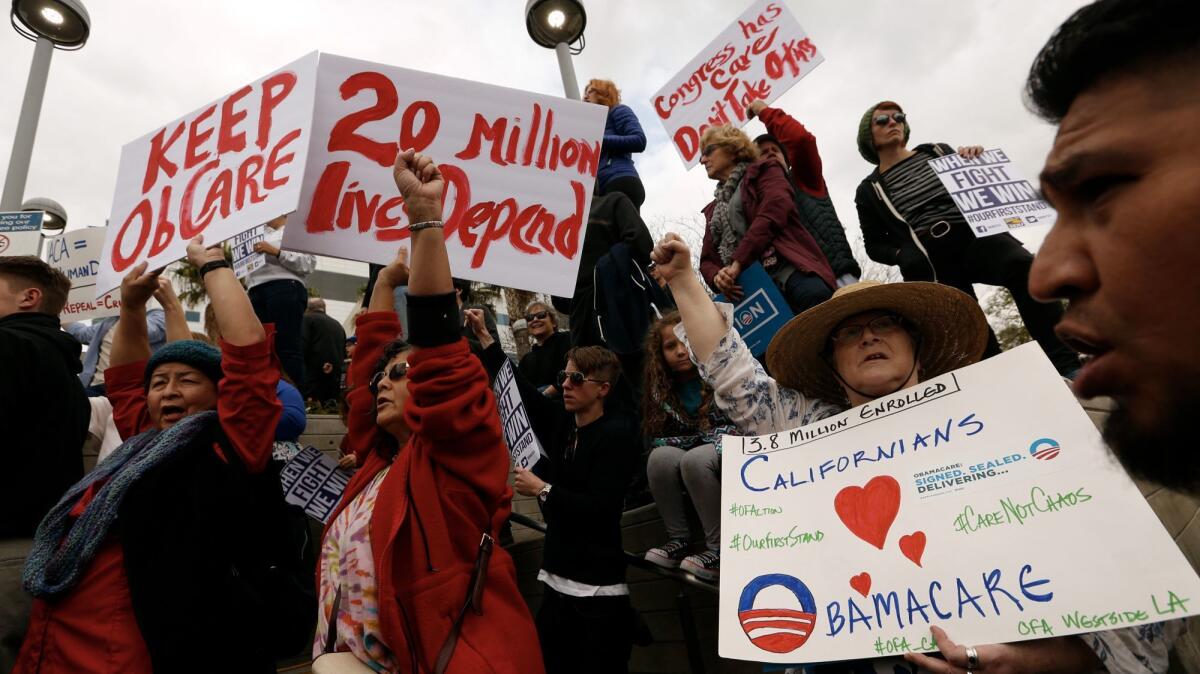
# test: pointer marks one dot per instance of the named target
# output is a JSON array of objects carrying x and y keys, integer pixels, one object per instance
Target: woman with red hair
[{"x": 622, "y": 137}]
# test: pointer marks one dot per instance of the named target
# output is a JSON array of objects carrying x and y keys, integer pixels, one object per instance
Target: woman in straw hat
[{"x": 871, "y": 340}]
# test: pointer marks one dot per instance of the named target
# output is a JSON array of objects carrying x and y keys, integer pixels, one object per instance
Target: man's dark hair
[
  {"x": 32, "y": 271},
  {"x": 1107, "y": 38},
  {"x": 465, "y": 290},
  {"x": 596, "y": 362}
]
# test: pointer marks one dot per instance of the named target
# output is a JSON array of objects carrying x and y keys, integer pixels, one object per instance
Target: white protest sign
[
  {"x": 519, "y": 169},
  {"x": 990, "y": 194},
  {"x": 313, "y": 481},
  {"x": 759, "y": 56},
  {"x": 523, "y": 445},
  {"x": 982, "y": 501},
  {"x": 245, "y": 260},
  {"x": 77, "y": 254},
  {"x": 20, "y": 233},
  {"x": 231, "y": 165}
]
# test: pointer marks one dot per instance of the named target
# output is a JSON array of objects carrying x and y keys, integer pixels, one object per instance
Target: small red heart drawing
[
  {"x": 913, "y": 546},
  {"x": 868, "y": 512},
  {"x": 861, "y": 583}
]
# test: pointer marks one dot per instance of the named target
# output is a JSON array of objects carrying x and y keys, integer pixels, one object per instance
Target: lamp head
[
  {"x": 65, "y": 23},
  {"x": 55, "y": 218},
  {"x": 551, "y": 22}
]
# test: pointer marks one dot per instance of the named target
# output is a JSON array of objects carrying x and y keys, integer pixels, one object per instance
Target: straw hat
[{"x": 952, "y": 327}]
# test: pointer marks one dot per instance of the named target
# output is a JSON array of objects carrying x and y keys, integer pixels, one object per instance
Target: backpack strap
[{"x": 474, "y": 601}]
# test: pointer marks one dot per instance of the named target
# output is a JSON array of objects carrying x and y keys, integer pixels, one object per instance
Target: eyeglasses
[
  {"x": 708, "y": 149},
  {"x": 394, "y": 373},
  {"x": 577, "y": 378},
  {"x": 882, "y": 120},
  {"x": 880, "y": 326},
  {"x": 537, "y": 316}
]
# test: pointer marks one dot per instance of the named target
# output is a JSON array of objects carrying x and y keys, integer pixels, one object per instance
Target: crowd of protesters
[{"x": 178, "y": 552}]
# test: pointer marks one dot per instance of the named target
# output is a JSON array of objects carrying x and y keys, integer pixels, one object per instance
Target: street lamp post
[
  {"x": 62, "y": 24},
  {"x": 558, "y": 24}
]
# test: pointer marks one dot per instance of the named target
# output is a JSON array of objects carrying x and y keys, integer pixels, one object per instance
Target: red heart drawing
[
  {"x": 868, "y": 512},
  {"x": 861, "y": 583},
  {"x": 913, "y": 546}
]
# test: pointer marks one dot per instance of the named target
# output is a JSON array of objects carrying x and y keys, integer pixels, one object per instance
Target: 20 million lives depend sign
[
  {"x": 982, "y": 501},
  {"x": 317, "y": 139}
]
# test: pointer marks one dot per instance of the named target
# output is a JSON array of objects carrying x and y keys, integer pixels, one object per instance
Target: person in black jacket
[
  {"x": 549, "y": 353},
  {"x": 585, "y": 623},
  {"x": 324, "y": 349},
  {"x": 43, "y": 409},
  {"x": 909, "y": 220}
]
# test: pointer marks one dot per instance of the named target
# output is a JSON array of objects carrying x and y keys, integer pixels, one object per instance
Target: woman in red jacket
[
  {"x": 408, "y": 578},
  {"x": 753, "y": 218}
]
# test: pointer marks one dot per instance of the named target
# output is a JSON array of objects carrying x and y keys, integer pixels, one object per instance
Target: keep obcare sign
[
  {"x": 319, "y": 138},
  {"x": 759, "y": 56},
  {"x": 982, "y": 501}
]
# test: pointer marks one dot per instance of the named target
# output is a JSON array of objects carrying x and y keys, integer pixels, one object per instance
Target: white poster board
[
  {"x": 229, "y": 166},
  {"x": 519, "y": 169},
  {"x": 245, "y": 260},
  {"x": 20, "y": 232},
  {"x": 982, "y": 501},
  {"x": 991, "y": 194},
  {"x": 758, "y": 57},
  {"x": 77, "y": 254},
  {"x": 522, "y": 443}
]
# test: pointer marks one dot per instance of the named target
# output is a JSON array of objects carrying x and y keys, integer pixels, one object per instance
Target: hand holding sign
[
  {"x": 421, "y": 184},
  {"x": 199, "y": 255},
  {"x": 138, "y": 286},
  {"x": 1060, "y": 654},
  {"x": 672, "y": 257},
  {"x": 264, "y": 247}
]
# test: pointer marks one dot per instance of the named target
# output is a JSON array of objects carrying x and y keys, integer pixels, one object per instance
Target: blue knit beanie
[{"x": 190, "y": 352}]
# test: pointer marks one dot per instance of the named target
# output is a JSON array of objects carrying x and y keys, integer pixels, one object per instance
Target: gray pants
[
  {"x": 669, "y": 470},
  {"x": 14, "y": 602}
]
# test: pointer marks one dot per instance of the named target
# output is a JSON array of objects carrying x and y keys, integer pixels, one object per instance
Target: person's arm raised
[
  {"x": 704, "y": 324},
  {"x": 177, "y": 326},
  {"x": 421, "y": 184},
  {"x": 235, "y": 315},
  {"x": 130, "y": 341}
]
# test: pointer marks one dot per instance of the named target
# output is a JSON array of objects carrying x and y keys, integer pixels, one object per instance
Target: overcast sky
[{"x": 956, "y": 67}]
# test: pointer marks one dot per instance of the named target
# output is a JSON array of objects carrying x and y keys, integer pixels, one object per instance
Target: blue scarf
[{"x": 62, "y": 549}]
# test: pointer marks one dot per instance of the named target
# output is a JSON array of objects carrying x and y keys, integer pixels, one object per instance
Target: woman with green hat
[{"x": 869, "y": 340}]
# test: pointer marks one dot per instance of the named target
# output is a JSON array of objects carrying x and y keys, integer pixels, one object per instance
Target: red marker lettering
[
  {"x": 197, "y": 137},
  {"x": 227, "y": 140},
  {"x": 274, "y": 90},
  {"x": 158, "y": 157}
]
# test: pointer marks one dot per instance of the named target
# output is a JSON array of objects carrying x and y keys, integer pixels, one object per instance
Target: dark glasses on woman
[
  {"x": 537, "y": 316},
  {"x": 394, "y": 373},
  {"x": 577, "y": 378},
  {"x": 882, "y": 119}
]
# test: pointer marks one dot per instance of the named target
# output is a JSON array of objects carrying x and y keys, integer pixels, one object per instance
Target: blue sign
[
  {"x": 21, "y": 221},
  {"x": 762, "y": 311}
]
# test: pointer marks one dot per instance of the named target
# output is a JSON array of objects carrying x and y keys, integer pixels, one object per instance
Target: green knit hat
[
  {"x": 204, "y": 357},
  {"x": 866, "y": 142}
]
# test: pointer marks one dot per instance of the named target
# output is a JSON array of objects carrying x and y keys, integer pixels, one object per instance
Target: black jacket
[
  {"x": 44, "y": 413},
  {"x": 613, "y": 219},
  {"x": 542, "y": 364},
  {"x": 887, "y": 236},
  {"x": 324, "y": 342},
  {"x": 588, "y": 469}
]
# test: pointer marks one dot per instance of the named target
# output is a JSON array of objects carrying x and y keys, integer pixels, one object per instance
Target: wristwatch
[
  {"x": 544, "y": 493},
  {"x": 211, "y": 265}
]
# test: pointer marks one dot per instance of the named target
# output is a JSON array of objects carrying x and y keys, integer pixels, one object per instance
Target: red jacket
[
  {"x": 801, "y": 148},
  {"x": 447, "y": 486},
  {"x": 771, "y": 220}
]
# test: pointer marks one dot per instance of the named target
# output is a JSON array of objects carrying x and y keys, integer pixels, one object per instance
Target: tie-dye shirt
[{"x": 346, "y": 562}]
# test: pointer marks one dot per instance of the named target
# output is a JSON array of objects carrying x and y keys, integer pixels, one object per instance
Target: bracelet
[
  {"x": 418, "y": 226},
  {"x": 211, "y": 265}
]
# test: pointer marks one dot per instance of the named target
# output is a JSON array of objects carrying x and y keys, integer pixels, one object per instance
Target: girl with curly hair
[{"x": 679, "y": 414}]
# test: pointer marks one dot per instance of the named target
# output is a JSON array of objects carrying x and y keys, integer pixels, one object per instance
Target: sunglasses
[
  {"x": 880, "y": 326},
  {"x": 577, "y": 378},
  {"x": 708, "y": 149},
  {"x": 394, "y": 373},
  {"x": 537, "y": 316},
  {"x": 882, "y": 120}
]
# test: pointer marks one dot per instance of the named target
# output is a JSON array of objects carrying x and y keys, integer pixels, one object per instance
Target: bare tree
[{"x": 1006, "y": 321}]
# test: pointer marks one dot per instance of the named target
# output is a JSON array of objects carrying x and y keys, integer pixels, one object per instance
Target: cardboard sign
[
  {"x": 762, "y": 311},
  {"x": 218, "y": 171},
  {"x": 990, "y": 194},
  {"x": 77, "y": 254},
  {"x": 519, "y": 169},
  {"x": 245, "y": 260},
  {"x": 314, "y": 482},
  {"x": 20, "y": 233},
  {"x": 522, "y": 444},
  {"x": 759, "y": 56},
  {"x": 982, "y": 501}
]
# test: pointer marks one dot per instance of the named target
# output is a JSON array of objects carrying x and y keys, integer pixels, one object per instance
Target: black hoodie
[{"x": 44, "y": 417}]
